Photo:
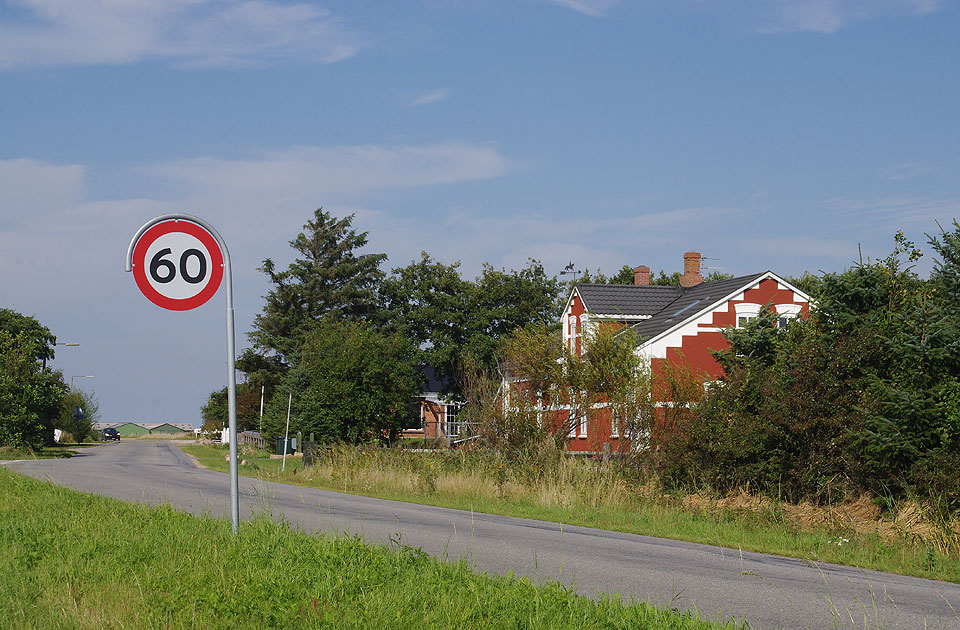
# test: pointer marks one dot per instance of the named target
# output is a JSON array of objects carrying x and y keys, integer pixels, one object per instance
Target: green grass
[
  {"x": 47, "y": 452},
  {"x": 581, "y": 493},
  {"x": 73, "y": 560}
]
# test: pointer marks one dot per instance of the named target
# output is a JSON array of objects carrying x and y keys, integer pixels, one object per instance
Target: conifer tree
[{"x": 328, "y": 279}]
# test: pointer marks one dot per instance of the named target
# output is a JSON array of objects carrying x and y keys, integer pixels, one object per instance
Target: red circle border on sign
[{"x": 188, "y": 227}]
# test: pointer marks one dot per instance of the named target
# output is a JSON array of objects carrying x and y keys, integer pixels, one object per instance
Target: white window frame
[
  {"x": 614, "y": 425},
  {"x": 577, "y": 333},
  {"x": 446, "y": 419},
  {"x": 787, "y": 312},
  {"x": 745, "y": 312}
]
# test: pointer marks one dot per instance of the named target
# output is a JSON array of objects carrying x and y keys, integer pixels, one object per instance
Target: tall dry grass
[
  {"x": 545, "y": 478},
  {"x": 544, "y": 483}
]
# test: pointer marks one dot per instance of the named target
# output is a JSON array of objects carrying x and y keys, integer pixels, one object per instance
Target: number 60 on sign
[{"x": 177, "y": 264}]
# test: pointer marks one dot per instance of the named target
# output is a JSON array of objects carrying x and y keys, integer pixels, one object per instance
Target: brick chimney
[
  {"x": 691, "y": 270},
  {"x": 641, "y": 276}
]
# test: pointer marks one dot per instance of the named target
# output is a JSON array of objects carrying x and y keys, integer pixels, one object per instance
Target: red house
[
  {"x": 677, "y": 324},
  {"x": 437, "y": 414}
]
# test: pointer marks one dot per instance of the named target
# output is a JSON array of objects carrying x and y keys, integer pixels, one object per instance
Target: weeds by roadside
[{"x": 544, "y": 484}]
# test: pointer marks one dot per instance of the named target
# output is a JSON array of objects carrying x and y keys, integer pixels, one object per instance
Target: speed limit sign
[
  {"x": 179, "y": 261},
  {"x": 177, "y": 264}
]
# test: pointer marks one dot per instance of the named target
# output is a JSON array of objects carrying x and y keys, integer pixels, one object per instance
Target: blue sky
[{"x": 776, "y": 135}]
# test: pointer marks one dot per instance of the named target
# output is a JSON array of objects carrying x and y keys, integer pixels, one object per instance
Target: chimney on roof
[
  {"x": 691, "y": 270},
  {"x": 641, "y": 276}
]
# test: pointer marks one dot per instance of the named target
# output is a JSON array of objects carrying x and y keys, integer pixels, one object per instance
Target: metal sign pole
[
  {"x": 231, "y": 391},
  {"x": 231, "y": 345}
]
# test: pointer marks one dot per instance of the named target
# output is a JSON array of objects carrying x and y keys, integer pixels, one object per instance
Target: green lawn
[
  {"x": 73, "y": 560},
  {"x": 767, "y": 531}
]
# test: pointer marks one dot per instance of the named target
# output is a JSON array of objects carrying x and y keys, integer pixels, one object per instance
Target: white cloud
[
  {"x": 595, "y": 8},
  {"x": 29, "y": 187},
  {"x": 890, "y": 214},
  {"x": 906, "y": 170},
  {"x": 315, "y": 172},
  {"x": 189, "y": 32},
  {"x": 430, "y": 97},
  {"x": 829, "y": 16}
]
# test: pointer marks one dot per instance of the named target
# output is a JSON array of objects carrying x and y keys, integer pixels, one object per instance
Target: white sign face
[{"x": 177, "y": 265}]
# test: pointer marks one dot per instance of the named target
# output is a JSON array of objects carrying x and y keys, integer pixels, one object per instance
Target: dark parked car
[{"x": 110, "y": 434}]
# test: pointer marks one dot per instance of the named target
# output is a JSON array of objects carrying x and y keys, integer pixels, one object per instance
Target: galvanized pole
[
  {"x": 286, "y": 439},
  {"x": 231, "y": 389},
  {"x": 231, "y": 346},
  {"x": 263, "y": 388}
]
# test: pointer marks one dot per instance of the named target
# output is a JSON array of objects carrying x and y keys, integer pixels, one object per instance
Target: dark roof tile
[
  {"x": 692, "y": 302},
  {"x": 626, "y": 299}
]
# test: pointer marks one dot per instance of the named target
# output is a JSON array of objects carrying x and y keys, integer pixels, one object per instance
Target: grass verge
[
  {"x": 580, "y": 492},
  {"x": 74, "y": 560},
  {"x": 47, "y": 452}
]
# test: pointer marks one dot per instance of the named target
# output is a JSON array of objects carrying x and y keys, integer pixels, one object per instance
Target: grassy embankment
[
  {"x": 47, "y": 452},
  {"x": 581, "y": 492},
  {"x": 73, "y": 560}
]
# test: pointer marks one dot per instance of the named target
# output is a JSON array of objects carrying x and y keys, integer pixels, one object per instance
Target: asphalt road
[{"x": 767, "y": 591}]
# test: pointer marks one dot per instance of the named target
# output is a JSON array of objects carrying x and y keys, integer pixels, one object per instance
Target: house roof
[
  {"x": 627, "y": 299},
  {"x": 434, "y": 382},
  {"x": 150, "y": 426},
  {"x": 690, "y": 303}
]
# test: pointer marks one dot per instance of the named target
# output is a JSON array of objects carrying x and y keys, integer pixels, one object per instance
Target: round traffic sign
[{"x": 177, "y": 264}]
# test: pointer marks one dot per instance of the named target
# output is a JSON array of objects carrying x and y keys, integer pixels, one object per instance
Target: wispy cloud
[
  {"x": 894, "y": 213},
  {"x": 595, "y": 8},
  {"x": 430, "y": 97},
  {"x": 186, "y": 32},
  {"x": 316, "y": 172},
  {"x": 829, "y": 16},
  {"x": 906, "y": 170}
]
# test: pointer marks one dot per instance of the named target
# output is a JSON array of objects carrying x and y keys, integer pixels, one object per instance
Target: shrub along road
[{"x": 766, "y": 591}]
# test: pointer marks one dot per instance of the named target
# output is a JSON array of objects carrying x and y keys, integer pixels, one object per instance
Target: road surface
[{"x": 766, "y": 591}]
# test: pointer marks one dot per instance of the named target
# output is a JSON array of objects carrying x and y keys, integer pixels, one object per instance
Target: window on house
[
  {"x": 746, "y": 312},
  {"x": 539, "y": 409},
  {"x": 786, "y": 312},
  {"x": 574, "y": 424},
  {"x": 614, "y": 424},
  {"x": 454, "y": 425}
]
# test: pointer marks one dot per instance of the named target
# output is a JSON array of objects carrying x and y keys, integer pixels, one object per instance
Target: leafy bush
[{"x": 864, "y": 395}]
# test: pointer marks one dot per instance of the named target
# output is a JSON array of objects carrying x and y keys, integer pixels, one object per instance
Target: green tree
[
  {"x": 41, "y": 341},
  {"x": 503, "y": 302},
  {"x": 30, "y": 395},
  {"x": 329, "y": 279},
  {"x": 82, "y": 430},
  {"x": 215, "y": 412},
  {"x": 662, "y": 278},
  {"x": 861, "y": 396},
  {"x": 353, "y": 384},
  {"x": 450, "y": 319},
  {"x": 427, "y": 302},
  {"x": 624, "y": 276},
  {"x": 559, "y": 390}
]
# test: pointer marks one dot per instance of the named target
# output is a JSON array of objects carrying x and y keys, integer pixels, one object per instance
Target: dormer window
[
  {"x": 786, "y": 312},
  {"x": 746, "y": 312}
]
